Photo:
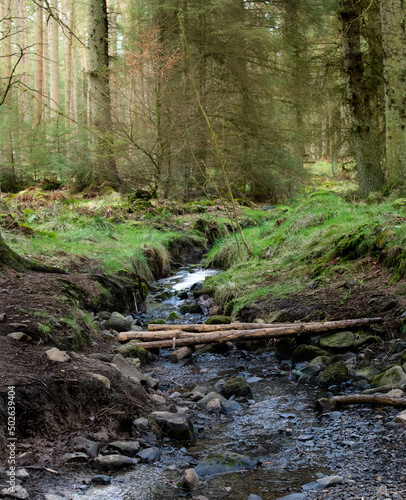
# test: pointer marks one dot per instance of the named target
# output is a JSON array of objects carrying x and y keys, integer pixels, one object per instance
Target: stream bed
[{"x": 277, "y": 428}]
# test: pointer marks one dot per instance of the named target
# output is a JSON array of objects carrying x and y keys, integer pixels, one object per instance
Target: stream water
[{"x": 267, "y": 429}]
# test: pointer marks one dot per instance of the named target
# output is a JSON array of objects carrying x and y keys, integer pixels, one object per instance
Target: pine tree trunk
[
  {"x": 394, "y": 46},
  {"x": 39, "y": 64},
  {"x": 55, "y": 84},
  {"x": 365, "y": 138},
  {"x": 100, "y": 92}
]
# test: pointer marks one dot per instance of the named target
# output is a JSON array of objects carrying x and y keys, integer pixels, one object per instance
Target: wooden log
[
  {"x": 125, "y": 336},
  {"x": 264, "y": 333},
  {"x": 201, "y": 328},
  {"x": 184, "y": 352},
  {"x": 363, "y": 399}
]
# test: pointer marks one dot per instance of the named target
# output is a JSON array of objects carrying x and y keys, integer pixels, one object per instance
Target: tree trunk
[
  {"x": 327, "y": 405},
  {"x": 394, "y": 46},
  {"x": 39, "y": 64},
  {"x": 365, "y": 138},
  {"x": 100, "y": 92},
  {"x": 55, "y": 84}
]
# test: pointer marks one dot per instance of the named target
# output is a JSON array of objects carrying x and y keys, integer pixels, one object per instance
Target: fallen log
[
  {"x": 124, "y": 336},
  {"x": 261, "y": 333},
  {"x": 201, "y": 328},
  {"x": 326, "y": 405},
  {"x": 184, "y": 352}
]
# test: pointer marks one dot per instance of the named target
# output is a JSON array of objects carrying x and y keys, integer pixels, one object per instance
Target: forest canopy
[{"x": 199, "y": 98}]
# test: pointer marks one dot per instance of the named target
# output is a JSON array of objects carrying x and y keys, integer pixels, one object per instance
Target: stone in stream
[
  {"x": 339, "y": 340},
  {"x": 294, "y": 496},
  {"x": 127, "y": 448},
  {"x": 306, "y": 353},
  {"x": 110, "y": 463},
  {"x": 129, "y": 370},
  {"x": 100, "y": 479},
  {"x": 141, "y": 424},
  {"x": 226, "y": 405},
  {"x": 190, "y": 480},
  {"x": 254, "y": 497},
  {"x": 328, "y": 481},
  {"x": 222, "y": 463},
  {"x": 149, "y": 455},
  {"x": 394, "y": 377},
  {"x": 237, "y": 386},
  {"x": 175, "y": 425},
  {"x": 334, "y": 374},
  {"x": 83, "y": 444},
  {"x": 119, "y": 322}
]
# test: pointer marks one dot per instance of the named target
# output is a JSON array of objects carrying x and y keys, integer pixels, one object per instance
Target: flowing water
[{"x": 268, "y": 429}]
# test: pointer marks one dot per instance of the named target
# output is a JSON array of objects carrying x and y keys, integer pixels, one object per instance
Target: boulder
[
  {"x": 149, "y": 455},
  {"x": 83, "y": 444},
  {"x": 55, "y": 354},
  {"x": 119, "y": 322},
  {"x": 394, "y": 377},
  {"x": 127, "y": 448},
  {"x": 335, "y": 373},
  {"x": 189, "y": 480},
  {"x": 132, "y": 350},
  {"x": 226, "y": 405},
  {"x": 77, "y": 457},
  {"x": 128, "y": 370},
  {"x": 237, "y": 386},
  {"x": 368, "y": 373},
  {"x": 109, "y": 463},
  {"x": 101, "y": 378},
  {"x": 175, "y": 425},
  {"x": 306, "y": 352},
  {"x": 339, "y": 340},
  {"x": 218, "y": 320}
]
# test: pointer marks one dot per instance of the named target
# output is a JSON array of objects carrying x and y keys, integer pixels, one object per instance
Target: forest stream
[{"x": 282, "y": 444}]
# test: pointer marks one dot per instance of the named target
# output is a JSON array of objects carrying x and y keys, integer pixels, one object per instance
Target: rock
[
  {"x": 339, "y": 340},
  {"x": 294, "y": 496},
  {"x": 218, "y": 320},
  {"x": 22, "y": 474},
  {"x": 107, "y": 358},
  {"x": 394, "y": 377},
  {"x": 112, "y": 462},
  {"x": 254, "y": 379},
  {"x": 127, "y": 448},
  {"x": 51, "y": 496},
  {"x": 196, "y": 396},
  {"x": 83, "y": 444},
  {"x": 206, "y": 303},
  {"x": 175, "y": 425},
  {"x": 149, "y": 455},
  {"x": 328, "y": 481},
  {"x": 214, "y": 405},
  {"x": 133, "y": 351},
  {"x": 306, "y": 352},
  {"x": 156, "y": 398},
  {"x": 27, "y": 458},
  {"x": 368, "y": 373},
  {"x": 335, "y": 373},
  {"x": 104, "y": 315},
  {"x": 200, "y": 497},
  {"x": 285, "y": 348},
  {"x": 172, "y": 316},
  {"x": 322, "y": 361},
  {"x": 101, "y": 378},
  {"x": 254, "y": 497},
  {"x": 190, "y": 480},
  {"x": 76, "y": 457},
  {"x": 129, "y": 370},
  {"x": 100, "y": 479},
  {"x": 396, "y": 393},
  {"x": 20, "y": 336},
  {"x": 141, "y": 424},
  {"x": 222, "y": 463},
  {"x": 310, "y": 369},
  {"x": 119, "y": 322},
  {"x": 55, "y": 354},
  {"x": 226, "y": 405},
  {"x": 15, "y": 492},
  {"x": 237, "y": 386}
]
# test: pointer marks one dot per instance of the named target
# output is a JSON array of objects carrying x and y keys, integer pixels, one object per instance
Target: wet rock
[
  {"x": 175, "y": 425},
  {"x": 16, "y": 492},
  {"x": 238, "y": 387},
  {"x": 339, "y": 340},
  {"x": 368, "y": 373},
  {"x": 100, "y": 479},
  {"x": 149, "y": 455},
  {"x": 77, "y": 457},
  {"x": 335, "y": 373},
  {"x": 190, "y": 480},
  {"x": 83, "y": 444},
  {"x": 55, "y": 354},
  {"x": 401, "y": 418},
  {"x": 109, "y": 463},
  {"x": 394, "y": 377},
  {"x": 328, "y": 481},
  {"x": 218, "y": 320},
  {"x": 196, "y": 396},
  {"x": 190, "y": 309},
  {"x": 322, "y": 361},
  {"x": 127, "y": 448},
  {"x": 254, "y": 497},
  {"x": 157, "y": 399},
  {"x": 306, "y": 353},
  {"x": 119, "y": 322},
  {"x": 172, "y": 316},
  {"x": 226, "y": 405},
  {"x": 311, "y": 369},
  {"x": 206, "y": 303},
  {"x": 285, "y": 348},
  {"x": 313, "y": 486},
  {"x": 222, "y": 463},
  {"x": 294, "y": 496},
  {"x": 214, "y": 405},
  {"x": 101, "y": 378}
]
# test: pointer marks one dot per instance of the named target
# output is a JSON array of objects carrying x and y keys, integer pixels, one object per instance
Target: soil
[{"x": 56, "y": 401}]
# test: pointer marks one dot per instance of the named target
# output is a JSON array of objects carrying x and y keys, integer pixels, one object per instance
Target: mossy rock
[
  {"x": 336, "y": 373},
  {"x": 218, "y": 320},
  {"x": 155, "y": 321},
  {"x": 394, "y": 377},
  {"x": 321, "y": 360},
  {"x": 165, "y": 295},
  {"x": 403, "y": 358},
  {"x": 173, "y": 316},
  {"x": 237, "y": 386},
  {"x": 306, "y": 352},
  {"x": 339, "y": 340},
  {"x": 133, "y": 351},
  {"x": 190, "y": 309},
  {"x": 368, "y": 373}
]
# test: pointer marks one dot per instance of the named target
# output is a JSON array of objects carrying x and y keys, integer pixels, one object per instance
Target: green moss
[
  {"x": 218, "y": 320},
  {"x": 173, "y": 316}
]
